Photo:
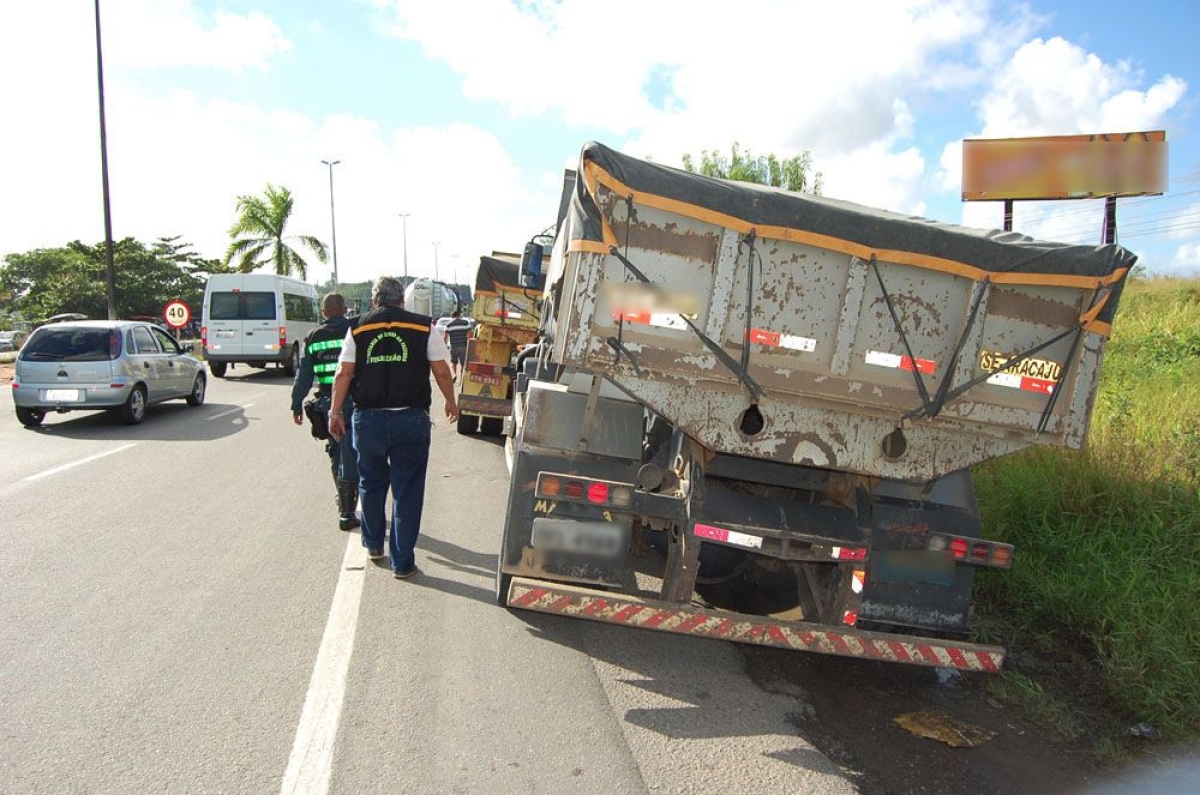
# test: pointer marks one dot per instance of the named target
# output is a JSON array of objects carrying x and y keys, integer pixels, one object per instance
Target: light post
[
  {"x": 110, "y": 272},
  {"x": 435, "y": 269},
  {"x": 404, "y": 220},
  {"x": 332, "y": 221}
]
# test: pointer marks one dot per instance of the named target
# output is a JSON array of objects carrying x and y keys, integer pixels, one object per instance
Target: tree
[
  {"x": 259, "y": 235},
  {"x": 790, "y": 173},
  {"x": 50, "y": 281}
]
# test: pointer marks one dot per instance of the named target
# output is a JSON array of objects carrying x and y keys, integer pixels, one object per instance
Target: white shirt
[{"x": 435, "y": 351}]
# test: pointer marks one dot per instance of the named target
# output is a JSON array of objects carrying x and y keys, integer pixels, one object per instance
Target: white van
[{"x": 256, "y": 319}]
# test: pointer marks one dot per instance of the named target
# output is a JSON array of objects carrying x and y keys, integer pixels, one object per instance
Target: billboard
[{"x": 1065, "y": 166}]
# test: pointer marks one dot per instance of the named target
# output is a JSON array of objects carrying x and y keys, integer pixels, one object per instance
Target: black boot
[{"x": 347, "y": 504}]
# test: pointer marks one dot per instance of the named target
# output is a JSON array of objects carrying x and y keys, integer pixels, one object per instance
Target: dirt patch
[
  {"x": 848, "y": 710},
  {"x": 6, "y": 372}
]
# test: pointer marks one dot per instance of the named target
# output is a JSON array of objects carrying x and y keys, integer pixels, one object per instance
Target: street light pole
[
  {"x": 435, "y": 269},
  {"x": 332, "y": 221},
  {"x": 404, "y": 220},
  {"x": 110, "y": 272}
]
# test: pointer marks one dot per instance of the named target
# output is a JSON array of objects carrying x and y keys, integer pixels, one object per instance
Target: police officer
[
  {"x": 318, "y": 362},
  {"x": 385, "y": 365}
]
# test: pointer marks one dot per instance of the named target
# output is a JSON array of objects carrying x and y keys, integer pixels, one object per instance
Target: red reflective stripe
[
  {"x": 627, "y": 613},
  {"x": 987, "y": 662},
  {"x": 929, "y": 654},
  {"x": 658, "y": 618},
  {"x": 708, "y": 531},
  {"x": 597, "y": 604},
  {"x": 899, "y": 650},
  {"x": 559, "y": 603},
  {"x": 692, "y": 623},
  {"x": 957, "y": 657},
  {"x": 764, "y": 337},
  {"x": 925, "y": 366},
  {"x": 777, "y": 635},
  {"x": 872, "y": 648},
  {"x": 722, "y": 628},
  {"x": 1037, "y": 385},
  {"x": 529, "y": 597},
  {"x": 838, "y": 643}
]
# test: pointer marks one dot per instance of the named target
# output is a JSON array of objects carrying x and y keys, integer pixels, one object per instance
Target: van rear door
[{"x": 242, "y": 323}]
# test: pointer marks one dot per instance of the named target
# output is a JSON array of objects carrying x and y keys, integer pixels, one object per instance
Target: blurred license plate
[
  {"x": 63, "y": 395},
  {"x": 603, "y": 539},
  {"x": 935, "y": 568}
]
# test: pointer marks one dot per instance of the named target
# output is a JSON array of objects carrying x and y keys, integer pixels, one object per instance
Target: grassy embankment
[{"x": 1108, "y": 541}]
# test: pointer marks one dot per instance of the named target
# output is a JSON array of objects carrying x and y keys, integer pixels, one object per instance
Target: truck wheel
[
  {"x": 30, "y": 418},
  {"x": 491, "y": 426},
  {"x": 292, "y": 362},
  {"x": 467, "y": 423},
  {"x": 134, "y": 410},
  {"x": 218, "y": 368}
]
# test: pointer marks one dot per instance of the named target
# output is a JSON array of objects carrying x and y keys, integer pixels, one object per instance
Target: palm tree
[{"x": 258, "y": 235}]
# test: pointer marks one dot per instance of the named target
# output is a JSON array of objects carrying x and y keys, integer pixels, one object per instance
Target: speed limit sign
[{"x": 177, "y": 314}]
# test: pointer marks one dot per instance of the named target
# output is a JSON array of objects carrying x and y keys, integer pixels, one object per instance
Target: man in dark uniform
[
  {"x": 318, "y": 362},
  {"x": 385, "y": 365}
]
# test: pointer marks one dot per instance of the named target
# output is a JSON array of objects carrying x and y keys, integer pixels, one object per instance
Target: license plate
[
  {"x": 479, "y": 378},
  {"x": 63, "y": 395},
  {"x": 602, "y": 539},
  {"x": 225, "y": 334},
  {"x": 934, "y": 568}
]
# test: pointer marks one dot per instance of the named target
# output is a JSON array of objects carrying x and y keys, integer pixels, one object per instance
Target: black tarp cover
[
  {"x": 1001, "y": 257},
  {"x": 495, "y": 274}
]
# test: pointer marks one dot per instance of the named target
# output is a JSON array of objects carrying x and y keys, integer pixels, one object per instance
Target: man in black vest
[
  {"x": 318, "y": 362},
  {"x": 385, "y": 365}
]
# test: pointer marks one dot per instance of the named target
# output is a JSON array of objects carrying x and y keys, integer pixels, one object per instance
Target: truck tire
[
  {"x": 467, "y": 423},
  {"x": 491, "y": 426},
  {"x": 218, "y": 369}
]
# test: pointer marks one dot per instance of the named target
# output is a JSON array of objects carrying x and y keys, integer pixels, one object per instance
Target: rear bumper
[
  {"x": 484, "y": 406},
  {"x": 248, "y": 358},
  {"x": 94, "y": 397},
  {"x": 616, "y": 608}
]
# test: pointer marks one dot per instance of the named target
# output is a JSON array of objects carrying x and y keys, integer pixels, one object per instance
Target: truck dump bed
[{"x": 802, "y": 329}]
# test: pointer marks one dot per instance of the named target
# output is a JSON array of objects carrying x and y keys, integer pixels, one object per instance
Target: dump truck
[
  {"x": 507, "y": 316},
  {"x": 751, "y": 414}
]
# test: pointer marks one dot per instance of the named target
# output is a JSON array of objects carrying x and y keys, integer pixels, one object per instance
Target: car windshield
[{"x": 72, "y": 344}]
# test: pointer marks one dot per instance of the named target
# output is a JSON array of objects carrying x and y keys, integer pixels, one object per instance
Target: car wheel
[
  {"x": 292, "y": 362},
  {"x": 196, "y": 397},
  {"x": 134, "y": 410},
  {"x": 218, "y": 368},
  {"x": 30, "y": 418}
]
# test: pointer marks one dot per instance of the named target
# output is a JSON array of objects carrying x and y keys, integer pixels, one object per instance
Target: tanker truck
[
  {"x": 751, "y": 414},
  {"x": 431, "y": 298}
]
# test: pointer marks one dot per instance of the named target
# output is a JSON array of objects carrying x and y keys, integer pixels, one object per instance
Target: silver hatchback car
[{"x": 119, "y": 365}]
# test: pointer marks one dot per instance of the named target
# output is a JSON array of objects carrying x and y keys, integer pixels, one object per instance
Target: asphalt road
[{"x": 179, "y": 613}]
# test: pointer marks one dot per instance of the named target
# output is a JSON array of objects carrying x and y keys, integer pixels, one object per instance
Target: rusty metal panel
[{"x": 825, "y": 346}]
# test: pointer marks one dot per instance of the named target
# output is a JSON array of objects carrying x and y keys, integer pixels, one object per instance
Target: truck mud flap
[{"x": 615, "y": 608}]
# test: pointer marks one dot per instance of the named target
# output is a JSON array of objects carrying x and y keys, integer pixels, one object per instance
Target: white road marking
[
  {"x": 65, "y": 467},
  {"x": 311, "y": 762},
  {"x": 231, "y": 411}
]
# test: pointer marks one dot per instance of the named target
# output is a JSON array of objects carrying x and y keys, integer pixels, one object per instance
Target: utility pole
[
  {"x": 435, "y": 269},
  {"x": 332, "y": 221},
  {"x": 404, "y": 220},
  {"x": 110, "y": 271}
]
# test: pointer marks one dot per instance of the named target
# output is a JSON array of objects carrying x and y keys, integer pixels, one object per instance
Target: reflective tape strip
[
  {"x": 860, "y": 579},
  {"x": 776, "y": 339},
  {"x": 728, "y": 536},
  {"x": 668, "y": 320},
  {"x": 1024, "y": 383},
  {"x": 898, "y": 362},
  {"x": 611, "y": 608},
  {"x": 848, "y": 553}
]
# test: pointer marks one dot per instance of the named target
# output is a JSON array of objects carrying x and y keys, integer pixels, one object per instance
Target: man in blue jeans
[{"x": 385, "y": 365}]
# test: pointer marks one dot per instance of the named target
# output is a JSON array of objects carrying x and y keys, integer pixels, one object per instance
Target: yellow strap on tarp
[{"x": 595, "y": 175}]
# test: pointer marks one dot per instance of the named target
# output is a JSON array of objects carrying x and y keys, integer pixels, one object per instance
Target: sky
[{"x": 453, "y": 120}]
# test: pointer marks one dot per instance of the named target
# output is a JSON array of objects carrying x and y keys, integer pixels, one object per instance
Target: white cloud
[
  {"x": 1054, "y": 87},
  {"x": 1187, "y": 260}
]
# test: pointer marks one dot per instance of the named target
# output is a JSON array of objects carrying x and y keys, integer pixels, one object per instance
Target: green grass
[{"x": 1108, "y": 541}]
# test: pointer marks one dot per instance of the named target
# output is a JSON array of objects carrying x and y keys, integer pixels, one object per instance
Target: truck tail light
[
  {"x": 974, "y": 551},
  {"x": 204, "y": 336},
  {"x": 603, "y": 493},
  {"x": 282, "y": 337}
]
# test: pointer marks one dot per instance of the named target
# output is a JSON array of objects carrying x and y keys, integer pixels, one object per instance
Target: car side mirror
[{"x": 531, "y": 265}]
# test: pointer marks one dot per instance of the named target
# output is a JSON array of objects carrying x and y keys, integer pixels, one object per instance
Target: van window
[
  {"x": 241, "y": 306},
  {"x": 299, "y": 307}
]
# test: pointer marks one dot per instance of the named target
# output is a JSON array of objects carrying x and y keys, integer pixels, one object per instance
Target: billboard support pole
[
  {"x": 1110, "y": 220},
  {"x": 1008, "y": 215}
]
